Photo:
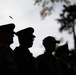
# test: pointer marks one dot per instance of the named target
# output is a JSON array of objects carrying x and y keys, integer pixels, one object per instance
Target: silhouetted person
[
  {"x": 62, "y": 53},
  {"x": 72, "y": 62},
  {"x": 7, "y": 58},
  {"x": 25, "y": 59},
  {"x": 47, "y": 64}
]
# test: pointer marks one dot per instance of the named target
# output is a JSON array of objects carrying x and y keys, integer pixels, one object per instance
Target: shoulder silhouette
[
  {"x": 8, "y": 64},
  {"x": 62, "y": 53},
  {"x": 47, "y": 64},
  {"x": 25, "y": 59}
]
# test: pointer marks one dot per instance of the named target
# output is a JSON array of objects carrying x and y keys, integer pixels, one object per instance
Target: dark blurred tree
[
  {"x": 68, "y": 20},
  {"x": 48, "y": 6}
]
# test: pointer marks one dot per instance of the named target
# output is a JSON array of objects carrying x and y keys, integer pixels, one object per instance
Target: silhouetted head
[
  {"x": 62, "y": 51},
  {"x": 50, "y": 43},
  {"x": 6, "y": 33},
  {"x": 26, "y": 36}
]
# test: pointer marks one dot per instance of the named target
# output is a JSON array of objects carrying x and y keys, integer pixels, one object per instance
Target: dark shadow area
[
  {"x": 47, "y": 63},
  {"x": 8, "y": 64},
  {"x": 25, "y": 60}
]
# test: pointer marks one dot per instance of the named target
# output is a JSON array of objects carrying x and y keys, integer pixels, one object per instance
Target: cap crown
[
  {"x": 7, "y": 27},
  {"x": 50, "y": 39},
  {"x": 27, "y": 31}
]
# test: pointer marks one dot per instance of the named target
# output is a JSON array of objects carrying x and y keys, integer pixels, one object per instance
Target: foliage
[
  {"x": 68, "y": 18},
  {"x": 48, "y": 6}
]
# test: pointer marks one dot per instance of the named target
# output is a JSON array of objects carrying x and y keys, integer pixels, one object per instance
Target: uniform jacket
[
  {"x": 8, "y": 64},
  {"x": 48, "y": 65},
  {"x": 25, "y": 60}
]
